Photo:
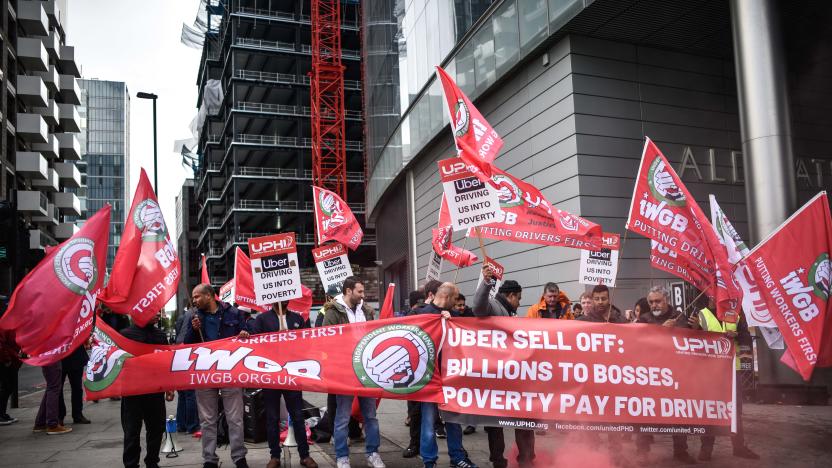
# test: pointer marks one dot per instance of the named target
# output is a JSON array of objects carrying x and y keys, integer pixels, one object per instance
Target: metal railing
[
  {"x": 288, "y": 205},
  {"x": 286, "y": 78},
  {"x": 348, "y": 53},
  {"x": 273, "y": 108},
  {"x": 266, "y": 45},
  {"x": 269, "y": 140},
  {"x": 286, "y": 16}
]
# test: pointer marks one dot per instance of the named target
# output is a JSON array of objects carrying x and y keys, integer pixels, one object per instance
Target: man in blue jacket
[
  {"x": 279, "y": 318},
  {"x": 211, "y": 321}
]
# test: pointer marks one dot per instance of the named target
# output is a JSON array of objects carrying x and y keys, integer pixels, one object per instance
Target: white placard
[
  {"x": 434, "y": 266},
  {"x": 274, "y": 268},
  {"x": 471, "y": 203},
  {"x": 333, "y": 265},
  {"x": 600, "y": 266}
]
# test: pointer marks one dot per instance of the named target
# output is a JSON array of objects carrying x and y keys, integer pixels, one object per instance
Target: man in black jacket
[
  {"x": 275, "y": 320},
  {"x": 214, "y": 321},
  {"x": 149, "y": 408}
]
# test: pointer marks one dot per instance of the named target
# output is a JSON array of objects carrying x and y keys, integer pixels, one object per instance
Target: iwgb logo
[
  {"x": 702, "y": 347},
  {"x": 462, "y": 119},
  {"x": 149, "y": 220},
  {"x": 333, "y": 213},
  {"x": 818, "y": 278},
  {"x": 75, "y": 265},
  {"x": 397, "y": 358},
  {"x": 105, "y": 364},
  {"x": 508, "y": 192},
  {"x": 662, "y": 184}
]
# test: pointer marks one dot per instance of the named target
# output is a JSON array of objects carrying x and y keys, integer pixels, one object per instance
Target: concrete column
[{"x": 764, "y": 115}]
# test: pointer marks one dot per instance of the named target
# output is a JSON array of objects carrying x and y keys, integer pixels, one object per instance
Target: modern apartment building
[
  {"x": 40, "y": 129},
  {"x": 256, "y": 153},
  {"x": 186, "y": 242},
  {"x": 105, "y": 153}
]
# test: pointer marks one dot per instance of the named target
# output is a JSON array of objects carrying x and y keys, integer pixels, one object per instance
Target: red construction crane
[{"x": 329, "y": 158}]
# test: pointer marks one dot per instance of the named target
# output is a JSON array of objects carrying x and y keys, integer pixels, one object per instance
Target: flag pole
[{"x": 482, "y": 245}]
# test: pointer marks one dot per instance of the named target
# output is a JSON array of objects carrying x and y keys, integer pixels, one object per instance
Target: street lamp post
[{"x": 143, "y": 95}]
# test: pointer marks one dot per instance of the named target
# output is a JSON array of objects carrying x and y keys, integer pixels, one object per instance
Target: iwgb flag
[
  {"x": 146, "y": 270},
  {"x": 528, "y": 217},
  {"x": 243, "y": 282},
  {"x": 334, "y": 219},
  {"x": 662, "y": 209},
  {"x": 473, "y": 135},
  {"x": 52, "y": 309},
  {"x": 753, "y": 305},
  {"x": 792, "y": 267},
  {"x": 442, "y": 240}
]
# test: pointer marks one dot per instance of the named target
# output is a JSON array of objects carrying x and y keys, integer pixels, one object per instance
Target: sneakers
[
  {"x": 464, "y": 463},
  {"x": 430, "y": 465},
  {"x": 57, "y": 430},
  {"x": 5, "y": 420},
  {"x": 410, "y": 452},
  {"x": 241, "y": 463},
  {"x": 684, "y": 457},
  {"x": 210, "y": 465},
  {"x": 374, "y": 461},
  {"x": 440, "y": 432},
  {"x": 469, "y": 430},
  {"x": 343, "y": 462},
  {"x": 308, "y": 462},
  {"x": 37, "y": 429},
  {"x": 81, "y": 420},
  {"x": 273, "y": 463}
]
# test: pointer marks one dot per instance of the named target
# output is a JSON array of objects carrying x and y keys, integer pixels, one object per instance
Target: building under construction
[{"x": 255, "y": 164}]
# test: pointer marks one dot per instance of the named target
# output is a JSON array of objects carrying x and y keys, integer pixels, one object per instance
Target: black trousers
[
  {"x": 75, "y": 375},
  {"x": 8, "y": 385},
  {"x": 135, "y": 410},
  {"x": 644, "y": 441},
  {"x": 414, "y": 410},
  {"x": 497, "y": 445},
  {"x": 294, "y": 405}
]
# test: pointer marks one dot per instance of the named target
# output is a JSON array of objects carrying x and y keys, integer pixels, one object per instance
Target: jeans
[
  {"x": 343, "y": 408},
  {"x": 428, "y": 449},
  {"x": 207, "y": 402},
  {"x": 77, "y": 393},
  {"x": 187, "y": 419},
  {"x": 135, "y": 410},
  {"x": 294, "y": 405},
  {"x": 48, "y": 412}
]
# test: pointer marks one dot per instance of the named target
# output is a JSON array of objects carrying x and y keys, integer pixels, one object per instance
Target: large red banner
[
  {"x": 528, "y": 217},
  {"x": 793, "y": 270},
  {"x": 389, "y": 359},
  {"x": 662, "y": 209},
  {"x": 334, "y": 219},
  {"x": 571, "y": 375},
  {"x": 146, "y": 269},
  {"x": 51, "y": 310}
]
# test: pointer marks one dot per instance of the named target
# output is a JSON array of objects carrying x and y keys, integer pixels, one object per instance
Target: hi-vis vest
[{"x": 709, "y": 322}]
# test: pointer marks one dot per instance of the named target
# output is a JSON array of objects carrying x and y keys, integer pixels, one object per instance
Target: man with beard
[{"x": 504, "y": 304}]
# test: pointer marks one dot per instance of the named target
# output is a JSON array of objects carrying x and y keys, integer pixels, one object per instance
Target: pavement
[{"x": 784, "y": 436}]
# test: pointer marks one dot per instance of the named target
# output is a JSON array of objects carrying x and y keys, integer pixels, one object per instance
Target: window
[
  {"x": 484, "y": 56},
  {"x": 506, "y": 36},
  {"x": 534, "y": 21}
]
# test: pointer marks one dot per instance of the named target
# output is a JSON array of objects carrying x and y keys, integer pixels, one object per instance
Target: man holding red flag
[
  {"x": 146, "y": 270},
  {"x": 334, "y": 219},
  {"x": 662, "y": 209}
]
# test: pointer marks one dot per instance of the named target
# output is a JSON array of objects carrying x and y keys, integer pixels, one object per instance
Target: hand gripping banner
[
  {"x": 581, "y": 376},
  {"x": 389, "y": 359}
]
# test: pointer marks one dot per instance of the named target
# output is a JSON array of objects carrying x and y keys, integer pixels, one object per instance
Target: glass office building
[
  {"x": 105, "y": 144},
  {"x": 573, "y": 87}
]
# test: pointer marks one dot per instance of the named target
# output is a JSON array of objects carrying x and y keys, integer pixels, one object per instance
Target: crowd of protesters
[{"x": 199, "y": 412}]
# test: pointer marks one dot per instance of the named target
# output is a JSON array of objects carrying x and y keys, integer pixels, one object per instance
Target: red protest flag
[
  {"x": 146, "y": 269},
  {"x": 443, "y": 243},
  {"x": 528, "y": 217},
  {"x": 474, "y": 136},
  {"x": 662, "y": 209},
  {"x": 52, "y": 309},
  {"x": 205, "y": 279},
  {"x": 244, "y": 283},
  {"x": 334, "y": 219},
  {"x": 793, "y": 269},
  {"x": 303, "y": 304},
  {"x": 387, "y": 308}
]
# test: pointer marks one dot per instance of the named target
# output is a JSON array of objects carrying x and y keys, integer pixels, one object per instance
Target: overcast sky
[{"x": 138, "y": 42}]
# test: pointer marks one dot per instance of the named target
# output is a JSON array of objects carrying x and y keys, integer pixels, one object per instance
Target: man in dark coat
[{"x": 148, "y": 409}]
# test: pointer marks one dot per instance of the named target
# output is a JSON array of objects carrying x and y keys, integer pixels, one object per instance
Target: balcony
[
  {"x": 32, "y": 54},
  {"x": 31, "y": 164},
  {"x": 51, "y": 78},
  {"x": 69, "y": 118},
  {"x": 70, "y": 91},
  {"x": 67, "y": 203},
  {"x": 67, "y": 61},
  {"x": 32, "y": 17},
  {"x": 32, "y": 201},
  {"x": 69, "y": 174},
  {"x": 31, "y": 90},
  {"x": 53, "y": 10},
  {"x": 49, "y": 149},
  {"x": 50, "y": 184},
  {"x": 52, "y": 42},
  {"x": 51, "y": 217},
  {"x": 37, "y": 240},
  {"x": 69, "y": 147},
  {"x": 65, "y": 231},
  {"x": 286, "y": 78},
  {"x": 49, "y": 112},
  {"x": 32, "y": 127}
]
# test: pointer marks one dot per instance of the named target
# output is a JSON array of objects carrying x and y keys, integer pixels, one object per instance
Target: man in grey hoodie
[{"x": 504, "y": 304}]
